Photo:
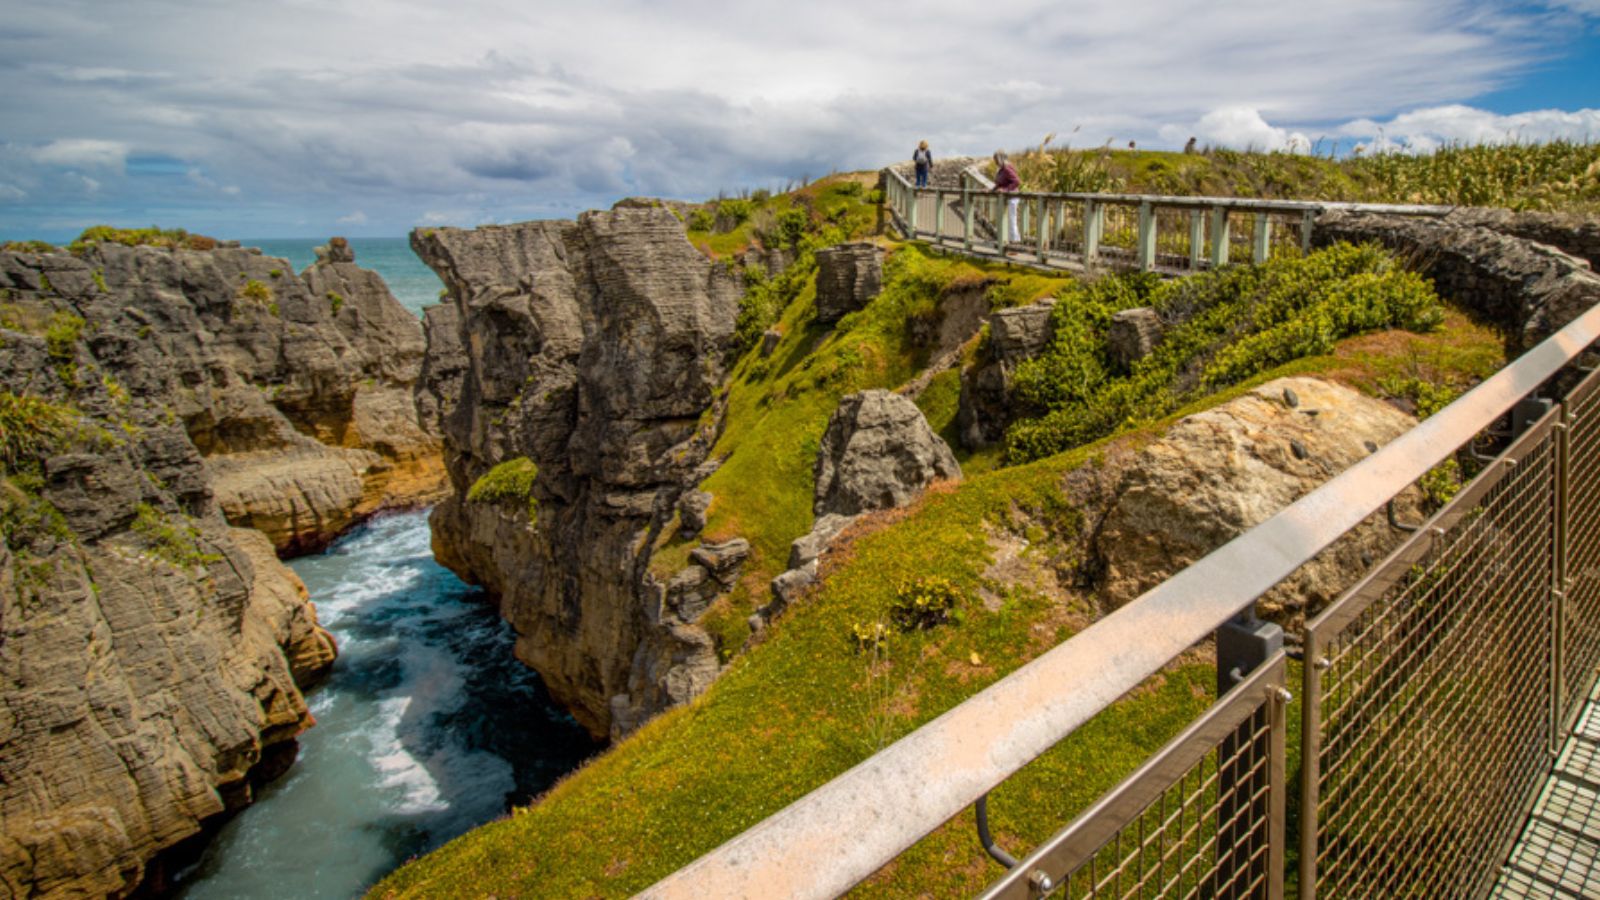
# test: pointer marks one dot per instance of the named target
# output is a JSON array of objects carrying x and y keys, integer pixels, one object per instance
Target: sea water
[
  {"x": 409, "y": 279},
  {"x": 426, "y": 727}
]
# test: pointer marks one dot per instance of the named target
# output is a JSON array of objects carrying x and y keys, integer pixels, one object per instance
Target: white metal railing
[
  {"x": 1140, "y": 231},
  {"x": 826, "y": 842}
]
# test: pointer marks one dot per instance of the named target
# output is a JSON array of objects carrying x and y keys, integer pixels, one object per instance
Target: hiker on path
[
  {"x": 1007, "y": 182},
  {"x": 924, "y": 161}
]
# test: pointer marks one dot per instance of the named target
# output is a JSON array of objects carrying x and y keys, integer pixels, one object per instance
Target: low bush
[
  {"x": 1226, "y": 326},
  {"x": 510, "y": 480}
]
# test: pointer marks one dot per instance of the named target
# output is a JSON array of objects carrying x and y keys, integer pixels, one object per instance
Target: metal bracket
[
  {"x": 1395, "y": 522},
  {"x": 987, "y": 839}
]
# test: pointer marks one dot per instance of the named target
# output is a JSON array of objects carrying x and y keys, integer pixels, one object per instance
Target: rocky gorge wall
[
  {"x": 152, "y": 650},
  {"x": 591, "y": 353}
]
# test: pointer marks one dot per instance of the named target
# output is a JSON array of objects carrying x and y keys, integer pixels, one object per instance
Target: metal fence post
[
  {"x": 913, "y": 219},
  {"x": 938, "y": 215},
  {"x": 1243, "y": 643},
  {"x": 1262, "y": 246},
  {"x": 1219, "y": 236},
  {"x": 1197, "y": 238},
  {"x": 1147, "y": 237},
  {"x": 966, "y": 214},
  {"x": 1312, "y": 667},
  {"x": 1044, "y": 228},
  {"x": 1308, "y": 221},
  {"x": 1091, "y": 231}
]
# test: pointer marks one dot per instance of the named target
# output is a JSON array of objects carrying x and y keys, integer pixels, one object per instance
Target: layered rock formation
[
  {"x": 593, "y": 349},
  {"x": 151, "y": 657},
  {"x": 296, "y": 391}
]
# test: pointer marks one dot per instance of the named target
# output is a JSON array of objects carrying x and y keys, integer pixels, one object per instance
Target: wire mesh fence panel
[
  {"x": 1203, "y": 818},
  {"x": 1172, "y": 237},
  {"x": 1429, "y": 693},
  {"x": 1581, "y": 650},
  {"x": 1119, "y": 237}
]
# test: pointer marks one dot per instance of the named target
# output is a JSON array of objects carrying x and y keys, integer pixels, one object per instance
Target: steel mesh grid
[
  {"x": 1205, "y": 836},
  {"x": 1431, "y": 746},
  {"x": 1582, "y": 622},
  {"x": 1172, "y": 237}
]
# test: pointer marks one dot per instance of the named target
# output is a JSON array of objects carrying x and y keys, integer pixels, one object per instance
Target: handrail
[
  {"x": 1246, "y": 204},
  {"x": 826, "y": 842}
]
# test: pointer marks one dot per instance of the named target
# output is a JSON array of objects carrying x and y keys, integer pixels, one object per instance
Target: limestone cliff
[
  {"x": 295, "y": 390},
  {"x": 151, "y": 657},
  {"x": 589, "y": 352}
]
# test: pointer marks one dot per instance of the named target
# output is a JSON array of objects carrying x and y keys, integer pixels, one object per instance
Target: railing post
[
  {"x": 913, "y": 218},
  {"x": 1044, "y": 230},
  {"x": 966, "y": 213},
  {"x": 1219, "y": 236},
  {"x": 1262, "y": 245},
  {"x": 1197, "y": 238},
  {"x": 1091, "y": 231},
  {"x": 1308, "y": 221},
  {"x": 1243, "y": 643},
  {"x": 1558, "y": 586},
  {"x": 1312, "y": 667},
  {"x": 1146, "y": 254},
  {"x": 938, "y": 215}
]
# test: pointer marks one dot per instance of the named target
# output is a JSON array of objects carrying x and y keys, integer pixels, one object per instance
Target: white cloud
[
  {"x": 356, "y": 218},
  {"x": 83, "y": 154},
  {"x": 1425, "y": 130},
  {"x": 1239, "y": 128},
  {"x": 543, "y": 108},
  {"x": 11, "y": 192}
]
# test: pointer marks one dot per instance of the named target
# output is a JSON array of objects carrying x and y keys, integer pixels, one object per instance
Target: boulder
[
  {"x": 807, "y": 548},
  {"x": 722, "y": 560},
  {"x": 878, "y": 453},
  {"x": 1021, "y": 332},
  {"x": 1218, "y": 473},
  {"x": 848, "y": 277},
  {"x": 1133, "y": 334},
  {"x": 692, "y": 506}
]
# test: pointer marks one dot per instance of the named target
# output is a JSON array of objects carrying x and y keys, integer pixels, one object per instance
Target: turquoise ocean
[{"x": 411, "y": 282}]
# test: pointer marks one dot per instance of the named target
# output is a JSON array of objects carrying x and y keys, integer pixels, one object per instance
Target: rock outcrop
[
  {"x": 877, "y": 452},
  {"x": 1218, "y": 473},
  {"x": 1531, "y": 289},
  {"x": 848, "y": 277},
  {"x": 297, "y": 391},
  {"x": 1133, "y": 334},
  {"x": 151, "y": 657},
  {"x": 1015, "y": 335},
  {"x": 595, "y": 349}
]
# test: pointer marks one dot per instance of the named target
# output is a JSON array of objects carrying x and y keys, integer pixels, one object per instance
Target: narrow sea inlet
[{"x": 426, "y": 727}]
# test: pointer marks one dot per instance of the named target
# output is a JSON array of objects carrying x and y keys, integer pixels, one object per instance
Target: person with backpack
[
  {"x": 923, "y": 159},
  {"x": 1007, "y": 182}
]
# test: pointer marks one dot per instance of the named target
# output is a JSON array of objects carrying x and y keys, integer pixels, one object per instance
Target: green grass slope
[{"x": 839, "y": 676}]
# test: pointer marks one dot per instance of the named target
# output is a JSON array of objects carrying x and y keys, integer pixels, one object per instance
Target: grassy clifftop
[
  {"x": 1560, "y": 175},
  {"x": 837, "y": 677}
]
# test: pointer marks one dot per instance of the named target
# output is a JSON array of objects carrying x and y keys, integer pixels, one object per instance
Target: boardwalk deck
[{"x": 1558, "y": 855}]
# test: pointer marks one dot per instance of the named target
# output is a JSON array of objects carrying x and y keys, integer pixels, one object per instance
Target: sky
[{"x": 365, "y": 118}]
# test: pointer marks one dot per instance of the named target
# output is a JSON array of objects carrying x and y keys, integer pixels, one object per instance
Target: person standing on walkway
[
  {"x": 1007, "y": 182},
  {"x": 923, "y": 159}
]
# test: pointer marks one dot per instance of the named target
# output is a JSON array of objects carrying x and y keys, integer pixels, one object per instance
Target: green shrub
[
  {"x": 61, "y": 335},
  {"x": 100, "y": 281},
  {"x": 168, "y": 238},
  {"x": 259, "y": 291},
  {"x": 732, "y": 213},
  {"x": 335, "y": 301},
  {"x": 1229, "y": 325},
  {"x": 702, "y": 219},
  {"x": 924, "y": 603},
  {"x": 28, "y": 246},
  {"x": 510, "y": 480},
  {"x": 175, "y": 540},
  {"x": 30, "y": 427}
]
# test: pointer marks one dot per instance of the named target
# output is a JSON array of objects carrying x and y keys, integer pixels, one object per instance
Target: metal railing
[
  {"x": 1433, "y": 691},
  {"x": 1134, "y": 231}
]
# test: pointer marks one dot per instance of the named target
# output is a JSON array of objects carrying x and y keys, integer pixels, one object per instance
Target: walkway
[{"x": 1558, "y": 854}]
